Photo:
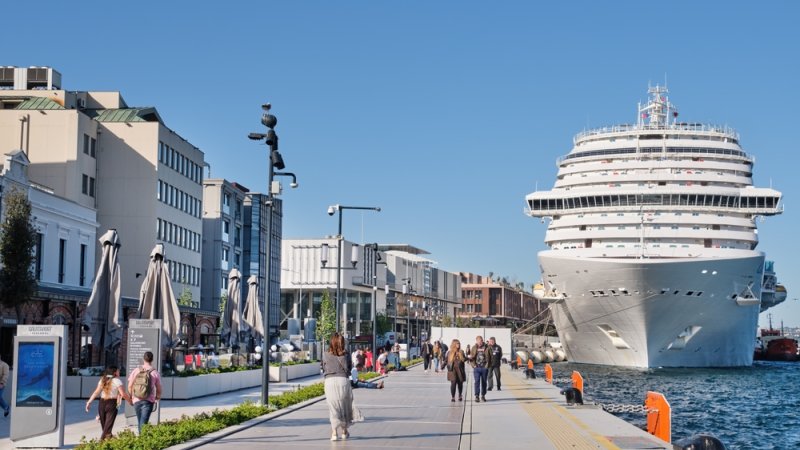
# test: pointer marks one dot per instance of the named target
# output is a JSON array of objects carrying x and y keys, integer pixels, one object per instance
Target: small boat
[{"x": 775, "y": 346}]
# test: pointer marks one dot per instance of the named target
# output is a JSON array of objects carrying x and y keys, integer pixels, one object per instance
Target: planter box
[
  {"x": 285, "y": 373},
  {"x": 215, "y": 383},
  {"x": 73, "y": 387}
]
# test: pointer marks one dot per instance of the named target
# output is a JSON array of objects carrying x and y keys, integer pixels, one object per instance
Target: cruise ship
[{"x": 652, "y": 236}]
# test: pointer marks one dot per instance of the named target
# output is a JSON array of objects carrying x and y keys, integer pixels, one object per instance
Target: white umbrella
[
  {"x": 252, "y": 313},
  {"x": 157, "y": 299},
  {"x": 232, "y": 317},
  {"x": 103, "y": 314}
]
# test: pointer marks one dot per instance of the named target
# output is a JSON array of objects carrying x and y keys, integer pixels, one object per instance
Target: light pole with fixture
[
  {"x": 333, "y": 209},
  {"x": 273, "y": 189}
]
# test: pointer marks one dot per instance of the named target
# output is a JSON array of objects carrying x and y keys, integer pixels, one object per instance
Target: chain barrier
[
  {"x": 616, "y": 408},
  {"x": 562, "y": 380}
]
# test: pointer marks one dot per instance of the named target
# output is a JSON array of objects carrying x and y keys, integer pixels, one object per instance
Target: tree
[
  {"x": 186, "y": 297},
  {"x": 326, "y": 321},
  {"x": 384, "y": 323},
  {"x": 223, "y": 299},
  {"x": 17, "y": 280},
  {"x": 447, "y": 321}
]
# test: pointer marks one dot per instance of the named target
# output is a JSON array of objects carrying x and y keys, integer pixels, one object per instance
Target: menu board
[{"x": 143, "y": 336}]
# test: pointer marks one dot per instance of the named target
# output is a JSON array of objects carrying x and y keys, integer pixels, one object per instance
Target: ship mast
[{"x": 657, "y": 112}]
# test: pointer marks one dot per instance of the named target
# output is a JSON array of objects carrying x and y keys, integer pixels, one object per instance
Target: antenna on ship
[{"x": 658, "y": 109}]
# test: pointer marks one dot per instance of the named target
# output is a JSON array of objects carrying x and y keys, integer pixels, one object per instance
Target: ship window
[
  {"x": 676, "y": 292},
  {"x": 625, "y": 292},
  {"x": 613, "y": 292},
  {"x": 699, "y": 293},
  {"x": 664, "y": 291},
  {"x": 689, "y": 292},
  {"x": 602, "y": 293}
]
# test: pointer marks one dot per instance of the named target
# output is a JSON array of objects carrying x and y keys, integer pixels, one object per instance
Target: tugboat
[{"x": 775, "y": 346}]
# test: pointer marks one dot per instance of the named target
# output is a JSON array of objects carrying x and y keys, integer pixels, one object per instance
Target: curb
[
  {"x": 217, "y": 435},
  {"x": 233, "y": 429}
]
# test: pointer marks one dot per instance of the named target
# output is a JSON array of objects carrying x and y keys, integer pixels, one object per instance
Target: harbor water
[{"x": 746, "y": 408}]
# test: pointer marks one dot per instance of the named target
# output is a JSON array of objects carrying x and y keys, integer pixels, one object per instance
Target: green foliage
[
  {"x": 173, "y": 432},
  {"x": 326, "y": 323},
  {"x": 186, "y": 297},
  {"x": 204, "y": 371},
  {"x": 223, "y": 299},
  {"x": 390, "y": 367},
  {"x": 447, "y": 321},
  {"x": 17, "y": 280},
  {"x": 294, "y": 363},
  {"x": 384, "y": 323}
]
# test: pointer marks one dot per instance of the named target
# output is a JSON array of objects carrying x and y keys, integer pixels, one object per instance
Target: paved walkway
[
  {"x": 81, "y": 423},
  {"x": 414, "y": 411}
]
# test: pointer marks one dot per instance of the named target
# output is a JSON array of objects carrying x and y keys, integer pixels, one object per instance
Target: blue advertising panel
[{"x": 35, "y": 374}]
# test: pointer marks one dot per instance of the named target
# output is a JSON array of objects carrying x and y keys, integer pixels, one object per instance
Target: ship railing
[{"x": 627, "y": 128}]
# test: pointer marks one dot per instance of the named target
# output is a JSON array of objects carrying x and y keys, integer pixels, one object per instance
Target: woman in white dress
[{"x": 336, "y": 365}]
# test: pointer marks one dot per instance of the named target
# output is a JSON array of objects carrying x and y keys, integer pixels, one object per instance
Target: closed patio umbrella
[
  {"x": 253, "y": 320},
  {"x": 102, "y": 316},
  {"x": 157, "y": 299},
  {"x": 232, "y": 316}
]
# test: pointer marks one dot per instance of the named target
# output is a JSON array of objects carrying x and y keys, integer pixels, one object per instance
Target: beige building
[{"x": 144, "y": 179}]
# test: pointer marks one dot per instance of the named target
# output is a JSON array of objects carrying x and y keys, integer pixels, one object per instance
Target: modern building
[
  {"x": 408, "y": 289},
  {"x": 497, "y": 302},
  {"x": 91, "y": 148},
  {"x": 223, "y": 232},
  {"x": 64, "y": 255}
]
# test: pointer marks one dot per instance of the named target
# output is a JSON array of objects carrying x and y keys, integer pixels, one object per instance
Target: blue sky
[{"x": 444, "y": 114}]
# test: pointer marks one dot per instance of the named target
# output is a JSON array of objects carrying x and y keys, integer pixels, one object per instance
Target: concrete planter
[
  {"x": 285, "y": 373},
  {"x": 214, "y": 383}
]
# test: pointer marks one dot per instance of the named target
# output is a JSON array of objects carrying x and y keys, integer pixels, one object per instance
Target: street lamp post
[
  {"x": 273, "y": 188},
  {"x": 333, "y": 209}
]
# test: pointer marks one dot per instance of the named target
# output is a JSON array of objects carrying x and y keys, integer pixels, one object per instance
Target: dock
[{"x": 414, "y": 411}]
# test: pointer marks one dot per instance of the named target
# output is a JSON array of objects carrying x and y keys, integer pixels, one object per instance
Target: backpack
[{"x": 141, "y": 385}]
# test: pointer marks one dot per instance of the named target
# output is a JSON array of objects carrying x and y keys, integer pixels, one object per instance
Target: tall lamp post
[
  {"x": 333, "y": 209},
  {"x": 273, "y": 188}
]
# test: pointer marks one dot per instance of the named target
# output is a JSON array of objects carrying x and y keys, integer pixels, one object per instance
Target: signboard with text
[{"x": 144, "y": 335}]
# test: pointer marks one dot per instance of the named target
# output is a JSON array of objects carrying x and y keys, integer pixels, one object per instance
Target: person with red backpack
[{"x": 144, "y": 386}]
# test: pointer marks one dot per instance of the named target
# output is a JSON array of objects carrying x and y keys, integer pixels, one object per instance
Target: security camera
[
  {"x": 331, "y": 210},
  {"x": 293, "y": 185}
]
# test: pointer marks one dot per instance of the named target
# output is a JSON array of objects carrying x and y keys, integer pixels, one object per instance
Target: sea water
[{"x": 754, "y": 407}]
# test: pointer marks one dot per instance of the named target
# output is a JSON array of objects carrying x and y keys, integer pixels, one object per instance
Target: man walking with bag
[
  {"x": 494, "y": 363},
  {"x": 144, "y": 385},
  {"x": 480, "y": 357}
]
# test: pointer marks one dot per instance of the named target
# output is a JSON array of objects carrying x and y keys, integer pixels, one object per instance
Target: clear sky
[{"x": 444, "y": 114}]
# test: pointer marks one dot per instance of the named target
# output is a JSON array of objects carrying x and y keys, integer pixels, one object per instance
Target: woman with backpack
[{"x": 111, "y": 393}]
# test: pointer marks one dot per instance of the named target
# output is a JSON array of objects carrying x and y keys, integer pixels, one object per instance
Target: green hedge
[
  {"x": 204, "y": 371},
  {"x": 186, "y": 428},
  {"x": 294, "y": 363}
]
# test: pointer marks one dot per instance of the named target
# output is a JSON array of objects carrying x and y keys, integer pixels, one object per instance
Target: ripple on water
[{"x": 747, "y": 408}]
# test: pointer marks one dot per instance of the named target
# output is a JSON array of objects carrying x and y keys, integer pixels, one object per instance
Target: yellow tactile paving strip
[{"x": 563, "y": 429}]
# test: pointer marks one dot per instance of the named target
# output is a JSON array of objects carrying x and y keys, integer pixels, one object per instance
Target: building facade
[
  {"x": 406, "y": 288},
  {"x": 495, "y": 302},
  {"x": 223, "y": 238},
  {"x": 91, "y": 148}
]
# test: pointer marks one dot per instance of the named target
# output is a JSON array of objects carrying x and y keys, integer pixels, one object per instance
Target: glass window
[
  {"x": 85, "y": 185},
  {"x": 91, "y": 186},
  {"x": 86, "y": 144},
  {"x": 92, "y": 147},
  {"x": 83, "y": 265},
  {"x": 62, "y": 253}
]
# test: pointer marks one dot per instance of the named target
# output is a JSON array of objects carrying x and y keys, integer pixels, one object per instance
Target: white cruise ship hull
[{"x": 655, "y": 312}]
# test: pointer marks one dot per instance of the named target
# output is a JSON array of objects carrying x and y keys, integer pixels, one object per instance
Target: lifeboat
[
  {"x": 537, "y": 356},
  {"x": 523, "y": 356},
  {"x": 559, "y": 355},
  {"x": 548, "y": 356}
]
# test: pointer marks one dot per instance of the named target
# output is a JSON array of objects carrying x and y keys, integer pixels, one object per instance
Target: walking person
[
  {"x": 437, "y": 356},
  {"x": 111, "y": 393},
  {"x": 4, "y": 372},
  {"x": 529, "y": 373},
  {"x": 480, "y": 357},
  {"x": 144, "y": 386},
  {"x": 336, "y": 367},
  {"x": 368, "y": 359},
  {"x": 427, "y": 354},
  {"x": 456, "y": 370},
  {"x": 494, "y": 363}
]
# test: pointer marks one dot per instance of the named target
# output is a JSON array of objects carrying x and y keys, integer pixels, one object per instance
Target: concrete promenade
[
  {"x": 81, "y": 423},
  {"x": 414, "y": 411}
]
